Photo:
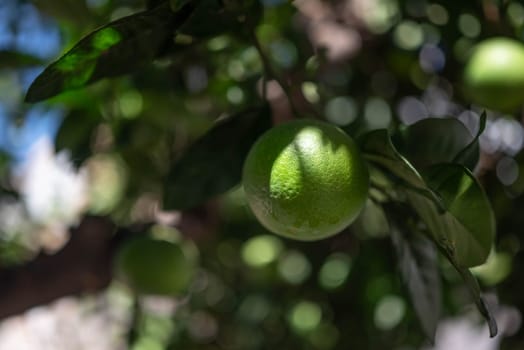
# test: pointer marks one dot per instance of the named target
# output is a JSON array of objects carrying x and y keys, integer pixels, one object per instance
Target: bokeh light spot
[
  {"x": 147, "y": 343},
  {"x": 310, "y": 91},
  {"x": 341, "y": 110},
  {"x": 408, "y": 35},
  {"x": 437, "y": 14},
  {"x": 495, "y": 269},
  {"x": 377, "y": 113},
  {"x": 380, "y": 15},
  {"x": 284, "y": 53},
  {"x": 131, "y": 104},
  {"x": 305, "y": 316},
  {"x": 411, "y": 110},
  {"x": 325, "y": 336},
  {"x": 335, "y": 271},
  {"x": 261, "y": 250},
  {"x": 432, "y": 59},
  {"x": 235, "y": 95},
  {"x": 254, "y": 308},
  {"x": 294, "y": 267},
  {"x": 469, "y": 25},
  {"x": 507, "y": 170},
  {"x": 389, "y": 312}
]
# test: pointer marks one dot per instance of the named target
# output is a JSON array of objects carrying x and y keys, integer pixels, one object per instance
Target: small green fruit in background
[
  {"x": 156, "y": 267},
  {"x": 494, "y": 74},
  {"x": 305, "y": 180}
]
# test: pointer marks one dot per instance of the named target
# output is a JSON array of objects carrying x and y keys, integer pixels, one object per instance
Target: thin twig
[
  {"x": 269, "y": 71},
  {"x": 264, "y": 87}
]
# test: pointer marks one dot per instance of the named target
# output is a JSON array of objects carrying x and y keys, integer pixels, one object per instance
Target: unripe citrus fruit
[
  {"x": 494, "y": 74},
  {"x": 155, "y": 267},
  {"x": 305, "y": 180}
]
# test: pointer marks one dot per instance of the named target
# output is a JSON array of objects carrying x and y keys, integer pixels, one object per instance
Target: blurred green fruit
[
  {"x": 494, "y": 74},
  {"x": 156, "y": 267},
  {"x": 305, "y": 180}
]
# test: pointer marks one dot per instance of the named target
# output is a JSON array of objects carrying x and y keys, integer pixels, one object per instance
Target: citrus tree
[{"x": 296, "y": 175}]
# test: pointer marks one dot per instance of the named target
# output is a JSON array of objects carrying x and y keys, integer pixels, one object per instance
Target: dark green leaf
[
  {"x": 471, "y": 150},
  {"x": 177, "y": 4},
  {"x": 372, "y": 222},
  {"x": 418, "y": 266},
  {"x": 481, "y": 304},
  {"x": 474, "y": 289},
  {"x": 5, "y": 162},
  {"x": 154, "y": 3},
  {"x": 437, "y": 140},
  {"x": 378, "y": 149},
  {"x": 466, "y": 229},
  {"x": 117, "y": 48},
  {"x": 75, "y": 135},
  {"x": 213, "y": 17},
  {"x": 11, "y": 59},
  {"x": 449, "y": 200},
  {"x": 213, "y": 164}
]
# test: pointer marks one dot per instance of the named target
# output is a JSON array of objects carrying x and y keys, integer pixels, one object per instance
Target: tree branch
[{"x": 83, "y": 265}]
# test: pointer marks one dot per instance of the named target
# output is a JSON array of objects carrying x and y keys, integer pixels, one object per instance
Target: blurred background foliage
[{"x": 107, "y": 149}]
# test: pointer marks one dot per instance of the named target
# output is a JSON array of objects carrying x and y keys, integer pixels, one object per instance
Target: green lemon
[
  {"x": 155, "y": 267},
  {"x": 305, "y": 180},
  {"x": 494, "y": 74}
]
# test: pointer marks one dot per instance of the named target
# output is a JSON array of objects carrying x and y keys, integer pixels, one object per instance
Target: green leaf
[
  {"x": 213, "y": 164},
  {"x": 215, "y": 17},
  {"x": 372, "y": 222},
  {"x": 177, "y": 4},
  {"x": 474, "y": 290},
  {"x": 437, "y": 140},
  {"x": 5, "y": 163},
  {"x": 377, "y": 148},
  {"x": 472, "y": 149},
  {"x": 12, "y": 59},
  {"x": 449, "y": 200},
  {"x": 75, "y": 135},
  {"x": 466, "y": 230},
  {"x": 154, "y": 3},
  {"x": 418, "y": 266},
  {"x": 115, "y": 49}
]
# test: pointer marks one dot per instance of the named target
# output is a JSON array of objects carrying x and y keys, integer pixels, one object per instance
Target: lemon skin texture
[
  {"x": 305, "y": 180},
  {"x": 155, "y": 267},
  {"x": 494, "y": 74}
]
